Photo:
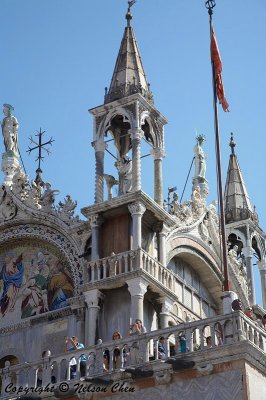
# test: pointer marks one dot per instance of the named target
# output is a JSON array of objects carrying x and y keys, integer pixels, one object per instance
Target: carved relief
[{"x": 8, "y": 209}]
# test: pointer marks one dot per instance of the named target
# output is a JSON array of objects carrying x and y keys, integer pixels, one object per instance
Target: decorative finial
[
  {"x": 40, "y": 146},
  {"x": 210, "y": 4},
  {"x": 232, "y": 143},
  {"x": 128, "y": 14}
]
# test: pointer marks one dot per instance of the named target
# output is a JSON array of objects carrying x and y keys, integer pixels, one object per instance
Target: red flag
[{"x": 217, "y": 63}]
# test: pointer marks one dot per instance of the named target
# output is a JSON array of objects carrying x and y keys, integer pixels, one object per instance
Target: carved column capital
[
  {"x": 99, "y": 145},
  {"x": 137, "y": 287},
  {"x": 167, "y": 305},
  {"x": 136, "y": 133},
  {"x": 95, "y": 220},
  {"x": 137, "y": 208},
  {"x": 158, "y": 153},
  {"x": 92, "y": 298},
  {"x": 262, "y": 265}
]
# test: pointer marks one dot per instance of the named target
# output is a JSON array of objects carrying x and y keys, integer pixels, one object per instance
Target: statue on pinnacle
[{"x": 10, "y": 130}]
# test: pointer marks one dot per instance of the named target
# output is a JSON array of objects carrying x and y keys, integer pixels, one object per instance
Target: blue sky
[{"x": 58, "y": 55}]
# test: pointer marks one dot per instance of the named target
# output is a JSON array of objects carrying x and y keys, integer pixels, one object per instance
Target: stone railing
[
  {"x": 129, "y": 261},
  {"x": 225, "y": 330}
]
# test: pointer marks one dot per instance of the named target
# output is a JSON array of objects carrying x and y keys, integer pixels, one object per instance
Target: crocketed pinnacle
[
  {"x": 128, "y": 76},
  {"x": 236, "y": 199}
]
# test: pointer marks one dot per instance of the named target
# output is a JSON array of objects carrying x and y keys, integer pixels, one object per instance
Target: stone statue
[
  {"x": 175, "y": 204},
  {"x": 48, "y": 197},
  {"x": 20, "y": 185},
  {"x": 197, "y": 203},
  {"x": 10, "y": 129},
  {"x": 200, "y": 159},
  {"x": 124, "y": 167}
]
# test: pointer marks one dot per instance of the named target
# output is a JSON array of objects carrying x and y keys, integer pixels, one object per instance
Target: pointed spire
[
  {"x": 128, "y": 76},
  {"x": 236, "y": 199}
]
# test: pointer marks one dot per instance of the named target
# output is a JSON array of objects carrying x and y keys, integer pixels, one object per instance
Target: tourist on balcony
[
  {"x": 116, "y": 353},
  {"x": 249, "y": 313},
  {"x": 182, "y": 344},
  {"x": 136, "y": 356},
  {"x": 73, "y": 363},
  {"x": 162, "y": 348},
  {"x": 236, "y": 305},
  {"x": 261, "y": 321},
  {"x": 209, "y": 341}
]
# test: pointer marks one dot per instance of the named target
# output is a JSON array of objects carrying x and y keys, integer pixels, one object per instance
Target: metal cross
[{"x": 40, "y": 147}]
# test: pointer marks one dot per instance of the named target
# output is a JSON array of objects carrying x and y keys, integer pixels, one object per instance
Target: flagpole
[{"x": 210, "y": 4}]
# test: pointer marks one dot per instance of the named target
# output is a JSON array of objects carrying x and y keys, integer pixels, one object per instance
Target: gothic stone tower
[
  {"x": 244, "y": 233},
  {"x": 142, "y": 261}
]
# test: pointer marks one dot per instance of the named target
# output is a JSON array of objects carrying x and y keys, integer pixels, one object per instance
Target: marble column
[
  {"x": 161, "y": 231},
  {"x": 136, "y": 210},
  {"x": 137, "y": 288},
  {"x": 262, "y": 269},
  {"x": 158, "y": 155},
  {"x": 92, "y": 298},
  {"x": 99, "y": 147},
  {"x": 95, "y": 220},
  {"x": 248, "y": 253},
  {"x": 167, "y": 305},
  {"x": 136, "y": 135}
]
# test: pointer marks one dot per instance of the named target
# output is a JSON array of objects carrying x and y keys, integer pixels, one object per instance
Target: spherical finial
[
  {"x": 128, "y": 14},
  {"x": 232, "y": 143}
]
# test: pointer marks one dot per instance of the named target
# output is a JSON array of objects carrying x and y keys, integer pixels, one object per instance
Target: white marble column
[
  {"x": 158, "y": 155},
  {"x": 262, "y": 269},
  {"x": 95, "y": 220},
  {"x": 99, "y": 147},
  {"x": 92, "y": 298},
  {"x": 167, "y": 305},
  {"x": 137, "y": 288},
  {"x": 136, "y": 210},
  {"x": 161, "y": 232},
  {"x": 136, "y": 136},
  {"x": 248, "y": 253}
]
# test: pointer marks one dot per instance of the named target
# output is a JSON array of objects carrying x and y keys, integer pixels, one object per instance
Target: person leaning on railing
[
  {"x": 73, "y": 363},
  {"x": 136, "y": 329}
]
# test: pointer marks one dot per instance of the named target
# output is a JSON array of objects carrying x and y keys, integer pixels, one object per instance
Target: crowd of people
[{"x": 122, "y": 357}]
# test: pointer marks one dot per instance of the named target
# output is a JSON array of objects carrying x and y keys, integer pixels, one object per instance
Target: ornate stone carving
[
  {"x": 47, "y": 199},
  {"x": 20, "y": 184},
  {"x": 158, "y": 153},
  {"x": 137, "y": 287},
  {"x": 132, "y": 109},
  {"x": 98, "y": 121},
  {"x": 95, "y": 220},
  {"x": 66, "y": 210},
  {"x": 137, "y": 208},
  {"x": 8, "y": 209}
]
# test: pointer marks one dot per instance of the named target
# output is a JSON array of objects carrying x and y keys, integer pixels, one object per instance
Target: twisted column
[
  {"x": 158, "y": 155},
  {"x": 136, "y": 135},
  {"x": 136, "y": 210},
  {"x": 99, "y": 147}
]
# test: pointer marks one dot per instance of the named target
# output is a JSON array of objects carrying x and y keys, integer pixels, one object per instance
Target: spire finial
[
  {"x": 232, "y": 143},
  {"x": 128, "y": 14}
]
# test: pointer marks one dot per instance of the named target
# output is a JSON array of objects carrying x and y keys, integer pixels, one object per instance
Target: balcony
[
  {"x": 233, "y": 336},
  {"x": 126, "y": 263}
]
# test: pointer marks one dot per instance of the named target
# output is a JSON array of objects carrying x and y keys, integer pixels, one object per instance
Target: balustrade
[{"x": 224, "y": 330}]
